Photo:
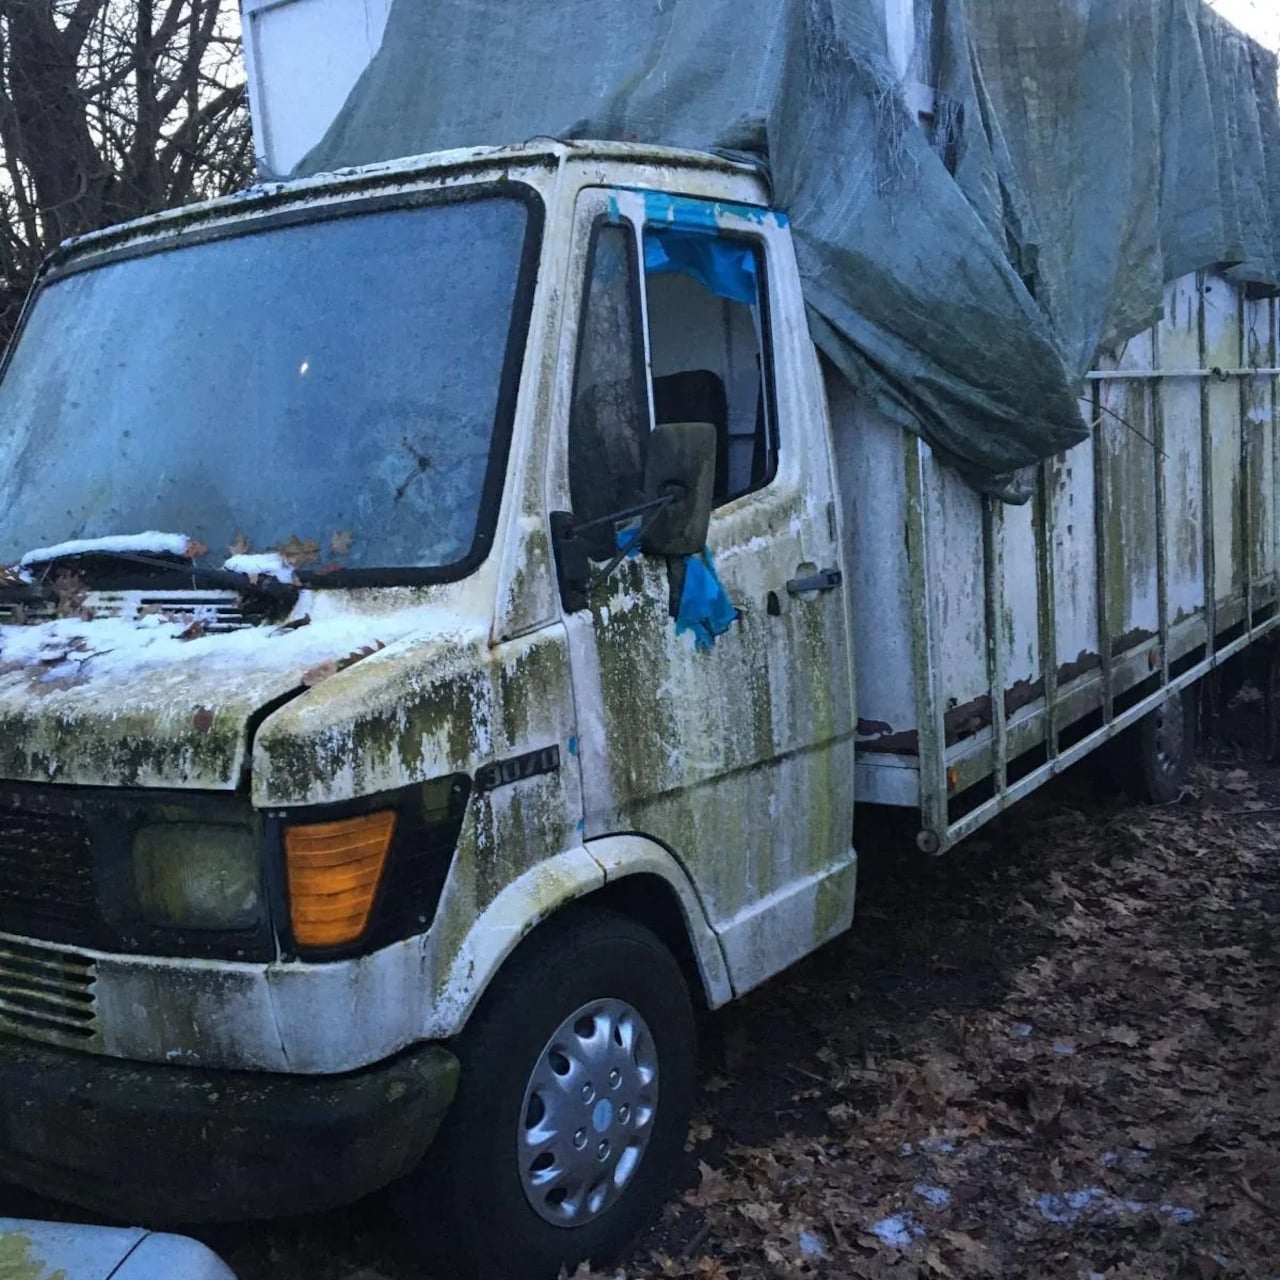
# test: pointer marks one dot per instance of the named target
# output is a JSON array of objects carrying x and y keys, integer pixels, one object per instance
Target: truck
[{"x": 562, "y": 602}]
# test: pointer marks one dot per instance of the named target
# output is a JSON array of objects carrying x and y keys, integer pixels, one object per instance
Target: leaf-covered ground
[{"x": 1054, "y": 1053}]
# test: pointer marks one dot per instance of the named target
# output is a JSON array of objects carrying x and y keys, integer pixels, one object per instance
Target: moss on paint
[
  {"x": 17, "y": 1262},
  {"x": 832, "y": 904}
]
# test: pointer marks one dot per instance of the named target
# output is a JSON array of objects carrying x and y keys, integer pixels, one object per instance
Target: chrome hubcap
[{"x": 588, "y": 1113}]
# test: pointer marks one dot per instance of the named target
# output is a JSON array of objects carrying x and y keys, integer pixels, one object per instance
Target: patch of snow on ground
[
  {"x": 943, "y": 1146},
  {"x": 812, "y": 1245},
  {"x": 938, "y": 1197},
  {"x": 152, "y": 543},
  {"x": 1067, "y": 1208},
  {"x": 898, "y": 1230}
]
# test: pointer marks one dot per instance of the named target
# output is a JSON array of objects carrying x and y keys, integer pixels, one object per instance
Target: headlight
[{"x": 197, "y": 876}]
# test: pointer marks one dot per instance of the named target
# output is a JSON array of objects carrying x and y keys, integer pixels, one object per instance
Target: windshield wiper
[{"x": 282, "y": 594}]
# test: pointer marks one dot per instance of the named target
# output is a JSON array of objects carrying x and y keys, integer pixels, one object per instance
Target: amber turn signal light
[{"x": 334, "y": 871}]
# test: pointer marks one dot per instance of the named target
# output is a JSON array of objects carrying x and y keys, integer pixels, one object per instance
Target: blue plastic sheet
[
  {"x": 726, "y": 267},
  {"x": 705, "y": 607}
]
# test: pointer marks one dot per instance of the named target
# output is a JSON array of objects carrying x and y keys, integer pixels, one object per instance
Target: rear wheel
[
  {"x": 578, "y": 1076},
  {"x": 1165, "y": 742}
]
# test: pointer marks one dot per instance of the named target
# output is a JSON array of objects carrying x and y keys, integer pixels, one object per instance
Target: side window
[
  {"x": 609, "y": 418},
  {"x": 707, "y": 329}
]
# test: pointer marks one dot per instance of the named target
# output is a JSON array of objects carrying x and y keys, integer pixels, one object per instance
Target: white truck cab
[{"x": 271, "y": 829}]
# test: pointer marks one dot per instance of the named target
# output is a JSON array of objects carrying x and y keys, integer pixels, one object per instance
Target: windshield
[{"x": 340, "y": 390}]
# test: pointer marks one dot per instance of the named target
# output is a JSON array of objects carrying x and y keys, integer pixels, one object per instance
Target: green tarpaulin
[{"x": 1080, "y": 153}]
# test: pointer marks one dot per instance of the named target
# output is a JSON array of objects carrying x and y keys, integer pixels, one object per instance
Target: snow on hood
[
  {"x": 116, "y": 701},
  {"x": 152, "y": 543}
]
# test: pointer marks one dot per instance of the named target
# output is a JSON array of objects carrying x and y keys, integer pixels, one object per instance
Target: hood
[{"x": 147, "y": 702}]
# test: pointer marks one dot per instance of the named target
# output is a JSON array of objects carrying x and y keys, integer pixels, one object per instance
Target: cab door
[{"x": 733, "y": 751}]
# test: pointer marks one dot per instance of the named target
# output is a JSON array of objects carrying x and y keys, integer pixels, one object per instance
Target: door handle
[{"x": 826, "y": 580}]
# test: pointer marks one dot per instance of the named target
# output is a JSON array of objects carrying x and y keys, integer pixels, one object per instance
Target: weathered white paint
[
  {"x": 1183, "y": 464},
  {"x": 623, "y": 856},
  {"x": 279, "y": 1016},
  {"x": 486, "y": 669}
]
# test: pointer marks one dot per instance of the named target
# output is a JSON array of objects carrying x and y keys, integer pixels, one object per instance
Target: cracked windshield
[{"x": 331, "y": 390}]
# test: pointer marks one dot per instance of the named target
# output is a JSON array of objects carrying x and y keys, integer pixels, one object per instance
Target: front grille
[
  {"x": 46, "y": 994},
  {"x": 46, "y": 875},
  {"x": 216, "y": 613}
]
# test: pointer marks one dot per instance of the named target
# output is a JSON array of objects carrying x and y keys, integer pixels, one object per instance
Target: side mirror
[{"x": 682, "y": 465}]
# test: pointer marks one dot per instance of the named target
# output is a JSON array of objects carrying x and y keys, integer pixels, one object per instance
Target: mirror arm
[
  {"x": 565, "y": 531},
  {"x": 628, "y": 513},
  {"x": 647, "y": 511}
]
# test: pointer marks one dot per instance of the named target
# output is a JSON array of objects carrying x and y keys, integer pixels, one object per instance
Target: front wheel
[{"x": 578, "y": 1075}]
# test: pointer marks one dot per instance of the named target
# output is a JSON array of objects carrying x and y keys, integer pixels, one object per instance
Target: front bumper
[{"x": 166, "y": 1145}]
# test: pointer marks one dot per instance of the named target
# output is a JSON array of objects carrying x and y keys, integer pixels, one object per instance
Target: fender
[
  {"x": 622, "y": 856},
  {"x": 467, "y": 967},
  {"x": 542, "y": 891}
]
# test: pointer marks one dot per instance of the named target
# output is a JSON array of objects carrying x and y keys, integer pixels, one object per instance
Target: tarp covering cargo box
[{"x": 1080, "y": 153}]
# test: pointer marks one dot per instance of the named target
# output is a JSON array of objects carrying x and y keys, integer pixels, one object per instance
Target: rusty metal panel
[
  {"x": 1183, "y": 467},
  {"x": 1258, "y": 408},
  {"x": 1127, "y": 516},
  {"x": 1222, "y": 351},
  {"x": 956, "y": 597},
  {"x": 874, "y": 554},
  {"x": 1070, "y": 494},
  {"x": 1019, "y": 630}
]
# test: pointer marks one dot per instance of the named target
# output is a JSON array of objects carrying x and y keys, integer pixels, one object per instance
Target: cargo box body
[{"x": 996, "y": 643}]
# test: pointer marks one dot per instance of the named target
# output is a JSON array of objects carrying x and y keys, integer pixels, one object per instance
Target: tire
[
  {"x": 1165, "y": 741},
  {"x": 595, "y": 1001}
]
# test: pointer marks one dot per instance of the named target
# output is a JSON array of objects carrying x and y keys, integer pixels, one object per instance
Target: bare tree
[{"x": 110, "y": 109}]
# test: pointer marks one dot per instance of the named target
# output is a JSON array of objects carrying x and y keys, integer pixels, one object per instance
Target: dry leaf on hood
[{"x": 322, "y": 671}]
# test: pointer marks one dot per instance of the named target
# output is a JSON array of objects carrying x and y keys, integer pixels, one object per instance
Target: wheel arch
[
  {"x": 628, "y": 874},
  {"x": 646, "y": 882}
]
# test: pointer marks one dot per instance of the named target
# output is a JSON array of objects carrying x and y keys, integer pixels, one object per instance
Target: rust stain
[
  {"x": 874, "y": 728},
  {"x": 1084, "y": 662},
  {"x": 1131, "y": 640},
  {"x": 959, "y": 722}
]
